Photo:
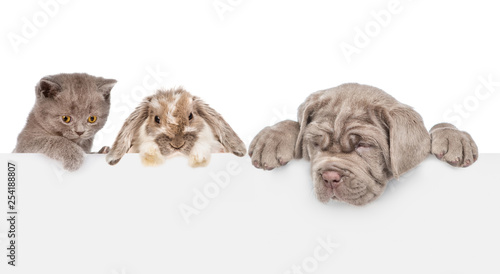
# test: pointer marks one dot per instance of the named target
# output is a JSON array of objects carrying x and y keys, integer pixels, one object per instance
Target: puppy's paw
[
  {"x": 151, "y": 155},
  {"x": 452, "y": 145},
  {"x": 199, "y": 159},
  {"x": 274, "y": 146}
]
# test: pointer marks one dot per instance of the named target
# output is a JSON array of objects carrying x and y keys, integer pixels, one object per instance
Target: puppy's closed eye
[
  {"x": 363, "y": 147},
  {"x": 318, "y": 142},
  {"x": 315, "y": 143}
]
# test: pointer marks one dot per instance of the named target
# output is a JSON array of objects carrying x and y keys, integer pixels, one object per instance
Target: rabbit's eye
[
  {"x": 190, "y": 116},
  {"x": 157, "y": 119}
]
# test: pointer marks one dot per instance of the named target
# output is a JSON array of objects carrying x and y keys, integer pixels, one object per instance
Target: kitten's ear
[
  {"x": 47, "y": 88},
  {"x": 105, "y": 86}
]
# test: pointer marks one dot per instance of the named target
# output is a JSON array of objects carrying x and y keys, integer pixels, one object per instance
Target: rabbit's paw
[
  {"x": 151, "y": 155},
  {"x": 199, "y": 159}
]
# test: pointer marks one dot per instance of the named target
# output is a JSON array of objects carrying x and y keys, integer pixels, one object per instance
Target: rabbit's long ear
[
  {"x": 131, "y": 126},
  {"x": 220, "y": 128}
]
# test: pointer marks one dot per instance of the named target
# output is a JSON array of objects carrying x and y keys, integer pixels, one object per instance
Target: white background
[
  {"x": 258, "y": 61},
  {"x": 125, "y": 219}
]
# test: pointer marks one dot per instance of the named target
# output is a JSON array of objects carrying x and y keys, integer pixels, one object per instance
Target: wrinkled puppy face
[
  {"x": 173, "y": 121},
  {"x": 357, "y": 138},
  {"x": 350, "y": 161}
]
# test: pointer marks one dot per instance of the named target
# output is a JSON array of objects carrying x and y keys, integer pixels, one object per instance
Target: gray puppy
[{"x": 357, "y": 138}]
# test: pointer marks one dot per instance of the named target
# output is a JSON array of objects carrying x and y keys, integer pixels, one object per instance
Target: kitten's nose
[{"x": 80, "y": 133}]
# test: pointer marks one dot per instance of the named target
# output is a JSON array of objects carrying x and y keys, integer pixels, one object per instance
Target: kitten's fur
[{"x": 77, "y": 95}]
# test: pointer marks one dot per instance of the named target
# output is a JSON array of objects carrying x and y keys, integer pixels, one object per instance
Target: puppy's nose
[
  {"x": 177, "y": 144},
  {"x": 331, "y": 178},
  {"x": 80, "y": 133}
]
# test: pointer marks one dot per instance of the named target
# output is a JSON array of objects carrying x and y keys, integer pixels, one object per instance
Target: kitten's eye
[
  {"x": 157, "y": 119},
  {"x": 66, "y": 119},
  {"x": 315, "y": 144},
  {"x": 191, "y": 116},
  {"x": 92, "y": 119}
]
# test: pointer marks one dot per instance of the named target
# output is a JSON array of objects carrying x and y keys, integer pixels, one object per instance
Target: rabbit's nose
[{"x": 177, "y": 144}]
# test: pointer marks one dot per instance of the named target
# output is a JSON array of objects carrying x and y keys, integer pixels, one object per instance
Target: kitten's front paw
[
  {"x": 73, "y": 158},
  {"x": 199, "y": 159},
  {"x": 151, "y": 155},
  {"x": 453, "y": 146},
  {"x": 104, "y": 150}
]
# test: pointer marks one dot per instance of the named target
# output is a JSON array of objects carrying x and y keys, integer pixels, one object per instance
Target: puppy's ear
[
  {"x": 304, "y": 116},
  {"x": 305, "y": 113},
  {"x": 132, "y": 125},
  {"x": 47, "y": 87},
  {"x": 220, "y": 128},
  {"x": 409, "y": 141}
]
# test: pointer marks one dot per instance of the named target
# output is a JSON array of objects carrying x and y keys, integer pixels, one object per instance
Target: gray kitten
[{"x": 68, "y": 112}]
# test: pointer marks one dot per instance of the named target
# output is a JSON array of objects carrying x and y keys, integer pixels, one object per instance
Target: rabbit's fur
[{"x": 173, "y": 122}]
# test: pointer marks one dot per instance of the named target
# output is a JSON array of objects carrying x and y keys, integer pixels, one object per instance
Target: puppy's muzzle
[{"x": 332, "y": 178}]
